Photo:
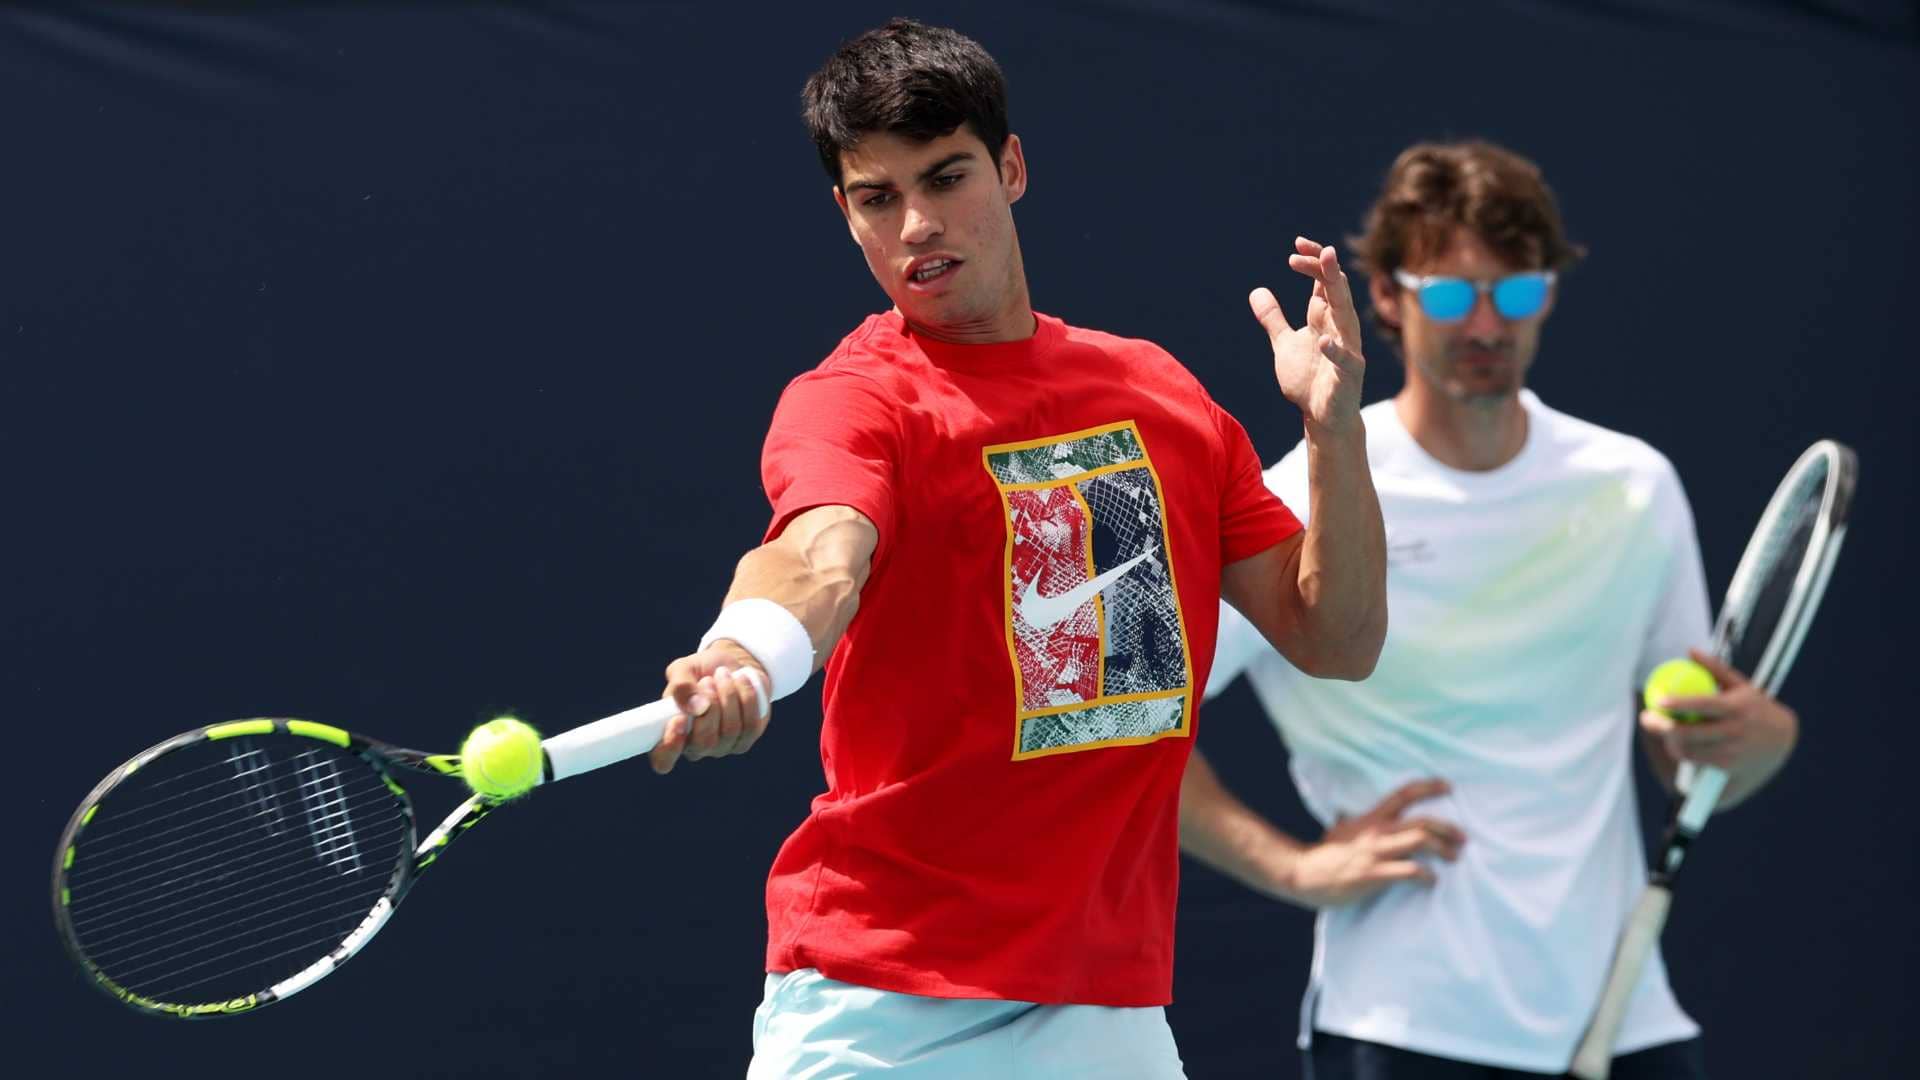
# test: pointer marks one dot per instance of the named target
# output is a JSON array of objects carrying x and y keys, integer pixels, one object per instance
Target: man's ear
[
  {"x": 1013, "y": 169},
  {"x": 1386, "y": 299},
  {"x": 846, "y": 211}
]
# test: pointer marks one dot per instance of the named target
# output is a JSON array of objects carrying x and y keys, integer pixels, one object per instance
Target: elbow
[
  {"x": 1353, "y": 657},
  {"x": 1354, "y": 667},
  {"x": 1365, "y": 655}
]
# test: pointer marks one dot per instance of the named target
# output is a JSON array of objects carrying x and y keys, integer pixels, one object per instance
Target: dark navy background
[{"x": 394, "y": 364}]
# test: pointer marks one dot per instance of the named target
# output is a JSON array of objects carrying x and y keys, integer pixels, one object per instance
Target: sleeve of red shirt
[
  {"x": 834, "y": 441},
  {"x": 1252, "y": 518}
]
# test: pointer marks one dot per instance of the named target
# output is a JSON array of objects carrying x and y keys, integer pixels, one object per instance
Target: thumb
[
  {"x": 1267, "y": 310},
  {"x": 1723, "y": 672}
]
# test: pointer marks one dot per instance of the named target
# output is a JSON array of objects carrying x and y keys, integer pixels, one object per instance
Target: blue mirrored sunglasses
[{"x": 1450, "y": 299}]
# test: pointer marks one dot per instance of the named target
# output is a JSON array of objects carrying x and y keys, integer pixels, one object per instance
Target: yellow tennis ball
[
  {"x": 502, "y": 758},
  {"x": 1679, "y": 678}
]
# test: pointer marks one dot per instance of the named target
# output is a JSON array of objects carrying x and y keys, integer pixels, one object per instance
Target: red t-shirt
[{"x": 1009, "y": 714}]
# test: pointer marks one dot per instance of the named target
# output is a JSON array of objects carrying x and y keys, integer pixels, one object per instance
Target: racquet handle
[
  {"x": 620, "y": 736},
  {"x": 603, "y": 742},
  {"x": 1593, "y": 1059}
]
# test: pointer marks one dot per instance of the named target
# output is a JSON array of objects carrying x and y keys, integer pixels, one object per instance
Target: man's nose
[
  {"x": 1484, "y": 320},
  {"x": 919, "y": 225}
]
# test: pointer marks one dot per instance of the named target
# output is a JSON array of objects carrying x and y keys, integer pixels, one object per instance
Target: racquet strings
[
  {"x": 225, "y": 866},
  {"x": 1759, "y": 608}
]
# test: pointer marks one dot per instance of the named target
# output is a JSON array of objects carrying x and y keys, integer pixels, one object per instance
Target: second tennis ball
[
  {"x": 1679, "y": 678},
  {"x": 502, "y": 758}
]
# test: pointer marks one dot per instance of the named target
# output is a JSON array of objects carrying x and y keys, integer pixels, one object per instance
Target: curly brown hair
[{"x": 1435, "y": 188}]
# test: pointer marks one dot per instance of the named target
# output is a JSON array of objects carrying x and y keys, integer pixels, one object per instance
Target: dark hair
[
  {"x": 1435, "y": 188},
  {"x": 909, "y": 79}
]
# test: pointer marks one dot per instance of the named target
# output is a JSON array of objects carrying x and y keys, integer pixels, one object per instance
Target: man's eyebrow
[
  {"x": 925, "y": 174},
  {"x": 945, "y": 163}
]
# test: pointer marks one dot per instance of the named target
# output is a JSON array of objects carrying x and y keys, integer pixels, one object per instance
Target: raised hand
[
  {"x": 1360, "y": 856},
  {"x": 1318, "y": 365}
]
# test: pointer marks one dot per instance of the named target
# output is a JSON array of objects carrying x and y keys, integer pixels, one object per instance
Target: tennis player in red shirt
[{"x": 1006, "y": 539}]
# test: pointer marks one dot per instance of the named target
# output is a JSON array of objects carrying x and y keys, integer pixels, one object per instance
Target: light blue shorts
[{"x": 810, "y": 1027}]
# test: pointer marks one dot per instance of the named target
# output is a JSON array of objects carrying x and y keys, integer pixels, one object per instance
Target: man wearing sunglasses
[{"x": 1482, "y": 846}]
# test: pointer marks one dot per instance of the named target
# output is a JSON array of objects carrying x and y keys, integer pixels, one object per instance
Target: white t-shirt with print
[{"x": 1525, "y": 605}]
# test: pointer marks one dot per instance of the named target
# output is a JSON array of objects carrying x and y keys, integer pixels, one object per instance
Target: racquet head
[
  {"x": 1783, "y": 573},
  {"x": 233, "y": 865}
]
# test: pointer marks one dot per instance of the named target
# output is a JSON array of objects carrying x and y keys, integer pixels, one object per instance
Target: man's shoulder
[
  {"x": 861, "y": 362},
  {"x": 1129, "y": 349},
  {"x": 1587, "y": 445},
  {"x": 873, "y": 343}
]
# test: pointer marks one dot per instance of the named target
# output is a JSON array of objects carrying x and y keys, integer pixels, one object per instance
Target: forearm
[
  {"x": 1225, "y": 834},
  {"x": 1342, "y": 574},
  {"x": 815, "y": 569}
]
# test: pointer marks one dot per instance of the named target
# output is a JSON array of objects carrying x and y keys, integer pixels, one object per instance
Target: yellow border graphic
[{"x": 1020, "y": 715}]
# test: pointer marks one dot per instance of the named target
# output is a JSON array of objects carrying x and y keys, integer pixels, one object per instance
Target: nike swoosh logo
[{"x": 1043, "y": 611}]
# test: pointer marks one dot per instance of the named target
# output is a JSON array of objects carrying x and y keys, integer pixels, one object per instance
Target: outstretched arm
[
  {"x": 814, "y": 571},
  {"x": 1321, "y": 597}
]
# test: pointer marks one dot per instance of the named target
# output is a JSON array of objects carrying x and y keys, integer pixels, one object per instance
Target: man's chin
[
  {"x": 941, "y": 314},
  {"x": 1484, "y": 392}
]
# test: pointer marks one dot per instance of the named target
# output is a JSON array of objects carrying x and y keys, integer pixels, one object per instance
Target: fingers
[
  {"x": 1723, "y": 672},
  {"x": 758, "y": 710},
  {"x": 723, "y": 707},
  {"x": 666, "y": 753},
  {"x": 1267, "y": 310},
  {"x": 1717, "y": 744},
  {"x": 1406, "y": 795},
  {"x": 736, "y": 719},
  {"x": 683, "y": 685},
  {"x": 683, "y": 689},
  {"x": 1346, "y": 317},
  {"x": 1425, "y": 834},
  {"x": 1446, "y": 838},
  {"x": 1704, "y": 706},
  {"x": 1331, "y": 287},
  {"x": 1406, "y": 870}
]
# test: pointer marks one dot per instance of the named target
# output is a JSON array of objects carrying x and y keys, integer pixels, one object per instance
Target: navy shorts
[{"x": 1334, "y": 1057}]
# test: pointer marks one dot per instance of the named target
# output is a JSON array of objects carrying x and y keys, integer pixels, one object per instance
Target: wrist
[
  {"x": 738, "y": 655},
  {"x": 1334, "y": 430},
  {"x": 770, "y": 635},
  {"x": 1285, "y": 877}
]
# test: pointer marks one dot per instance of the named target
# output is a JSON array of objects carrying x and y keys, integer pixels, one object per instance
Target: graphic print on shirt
[{"x": 1094, "y": 626}]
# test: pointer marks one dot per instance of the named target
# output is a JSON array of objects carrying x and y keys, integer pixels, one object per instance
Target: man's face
[
  {"x": 935, "y": 222},
  {"x": 1482, "y": 358}
]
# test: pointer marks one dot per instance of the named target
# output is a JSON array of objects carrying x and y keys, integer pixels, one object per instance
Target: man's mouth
[
  {"x": 932, "y": 269},
  {"x": 1482, "y": 357}
]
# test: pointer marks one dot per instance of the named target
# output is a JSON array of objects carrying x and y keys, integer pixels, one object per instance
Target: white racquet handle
[
  {"x": 1593, "y": 1059},
  {"x": 1702, "y": 785},
  {"x": 603, "y": 742},
  {"x": 621, "y": 736}
]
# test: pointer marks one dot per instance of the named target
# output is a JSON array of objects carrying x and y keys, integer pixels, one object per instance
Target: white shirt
[{"x": 1525, "y": 605}]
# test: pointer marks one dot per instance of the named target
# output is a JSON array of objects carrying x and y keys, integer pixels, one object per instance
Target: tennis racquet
[
  {"x": 234, "y": 865},
  {"x": 1769, "y": 604}
]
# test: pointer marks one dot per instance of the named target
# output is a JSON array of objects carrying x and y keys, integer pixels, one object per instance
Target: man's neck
[{"x": 1472, "y": 435}]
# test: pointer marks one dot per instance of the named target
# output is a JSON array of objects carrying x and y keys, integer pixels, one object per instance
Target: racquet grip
[
  {"x": 620, "y": 736},
  {"x": 1593, "y": 1058},
  {"x": 603, "y": 742}
]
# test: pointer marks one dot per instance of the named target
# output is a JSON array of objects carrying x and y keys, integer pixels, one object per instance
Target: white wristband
[{"x": 774, "y": 637}]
